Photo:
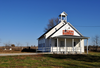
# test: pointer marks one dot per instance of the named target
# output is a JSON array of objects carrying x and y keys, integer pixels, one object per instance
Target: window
[
  {"x": 55, "y": 42},
  {"x": 74, "y": 43},
  {"x": 61, "y": 43}
]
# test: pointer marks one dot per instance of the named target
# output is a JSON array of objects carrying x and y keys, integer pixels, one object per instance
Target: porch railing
[
  {"x": 60, "y": 49},
  {"x": 44, "y": 49},
  {"x": 68, "y": 49}
]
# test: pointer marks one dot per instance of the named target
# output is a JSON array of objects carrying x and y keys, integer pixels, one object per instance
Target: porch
[
  {"x": 68, "y": 44},
  {"x": 65, "y": 45}
]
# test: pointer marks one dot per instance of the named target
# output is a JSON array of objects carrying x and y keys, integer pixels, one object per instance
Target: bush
[{"x": 12, "y": 45}]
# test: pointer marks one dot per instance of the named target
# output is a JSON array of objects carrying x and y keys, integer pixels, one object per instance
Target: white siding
[
  {"x": 46, "y": 42},
  {"x": 42, "y": 40},
  {"x": 59, "y": 32},
  {"x": 41, "y": 43}
]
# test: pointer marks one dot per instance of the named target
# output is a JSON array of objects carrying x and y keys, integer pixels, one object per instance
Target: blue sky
[{"x": 24, "y": 20}]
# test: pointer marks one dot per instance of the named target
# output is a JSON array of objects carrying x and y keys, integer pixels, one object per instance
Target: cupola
[{"x": 63, "y": 16}]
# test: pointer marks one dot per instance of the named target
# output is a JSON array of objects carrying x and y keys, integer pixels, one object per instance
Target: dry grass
[
  {"x": 14, "y": 49},
  {"x": 92, "y": 60}
]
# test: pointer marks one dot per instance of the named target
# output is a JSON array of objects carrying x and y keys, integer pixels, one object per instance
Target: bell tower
[{"x": 63, "y": 16}]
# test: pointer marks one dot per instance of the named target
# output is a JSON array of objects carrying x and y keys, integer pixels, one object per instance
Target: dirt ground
[
  {"x": 12, "y": 51},
  {"x": 18, "y": 49}
]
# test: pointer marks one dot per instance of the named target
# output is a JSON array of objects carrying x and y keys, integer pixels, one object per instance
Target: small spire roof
[{"x": 63, "y": 14}]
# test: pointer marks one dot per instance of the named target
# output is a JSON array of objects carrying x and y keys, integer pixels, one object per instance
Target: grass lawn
[{"x": 92, "y": 60}]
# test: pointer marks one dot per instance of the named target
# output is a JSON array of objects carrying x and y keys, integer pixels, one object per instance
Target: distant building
[{"x": 62, "y": 38}]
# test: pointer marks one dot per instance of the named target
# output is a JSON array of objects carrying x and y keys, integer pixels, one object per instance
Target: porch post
[
  {"x": 65, "y": 45},
  {"x": 57, "y": 45},
  {"x": 52, "y": 48},
  {"x": 73, "y": 45},
  {"x": 80, "y": 47},
  {"x": 44, "y": 46},
  {"x": 87, "y": 46},
  {"x": 49, "y": 48}
]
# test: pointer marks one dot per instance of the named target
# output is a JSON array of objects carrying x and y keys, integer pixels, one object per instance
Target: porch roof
[{"x": 71, "y": 36}]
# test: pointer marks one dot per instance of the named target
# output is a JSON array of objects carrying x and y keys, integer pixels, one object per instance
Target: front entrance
[{"x": 61, "y": 46}]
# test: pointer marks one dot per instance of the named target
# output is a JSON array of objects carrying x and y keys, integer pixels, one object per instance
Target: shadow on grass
[
  {"x": 28, "y": 50},
  {"x": 95, "y": 51},
  {"x": 78, "y": 57}
]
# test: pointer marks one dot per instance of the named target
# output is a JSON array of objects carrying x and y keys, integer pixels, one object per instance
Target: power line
[{"x": 87, "y": 26}]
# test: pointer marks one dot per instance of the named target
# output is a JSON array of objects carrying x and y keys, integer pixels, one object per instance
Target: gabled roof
[
  {"x": 57, "y": 30},
  {"x": 71, "y": 26},
  {"x": 60, "y": 28},
  {"x": 47, "y": 31}
]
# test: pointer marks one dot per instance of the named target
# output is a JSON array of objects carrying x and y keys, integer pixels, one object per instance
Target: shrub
[{"x": 12, "y": 45}]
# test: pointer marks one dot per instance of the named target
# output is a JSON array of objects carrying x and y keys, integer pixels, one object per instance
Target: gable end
[
  {"x": 75, "y": 29},
  {"x": 71, "y": 27}
]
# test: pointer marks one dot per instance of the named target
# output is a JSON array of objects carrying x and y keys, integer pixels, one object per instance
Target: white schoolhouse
[{"x": 62, "y": 38}]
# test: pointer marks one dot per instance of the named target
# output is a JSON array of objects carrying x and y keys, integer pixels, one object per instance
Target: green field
[{"x": 51, "y": 61}]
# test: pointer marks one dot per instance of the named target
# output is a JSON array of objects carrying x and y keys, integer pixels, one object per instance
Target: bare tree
[
  {"x": 18, "y": 44},
  {"x": 7, "y": 45},
  {"x": 52, "y": 23},
  {"x": 27, "y": 44},
  {"x": 0, "y": 40},
  {"x": 95, "y": 41},
  {"x": 21, "y": 45}
]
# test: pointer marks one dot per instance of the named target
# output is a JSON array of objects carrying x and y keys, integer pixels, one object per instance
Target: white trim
[
  {"x": 80, "y": 47},
  {"x": 65, "y": 45},
  {"x": 73, "y": 45},
  {"x": 52, "y": 48},
  {"x": 87, "y": 46},
  {"x": 45, "y": 44},
  {"x": 57, "y": 45}
]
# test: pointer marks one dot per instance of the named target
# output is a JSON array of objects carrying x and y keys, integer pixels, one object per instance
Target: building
[{"x": 62, "y": 38}]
